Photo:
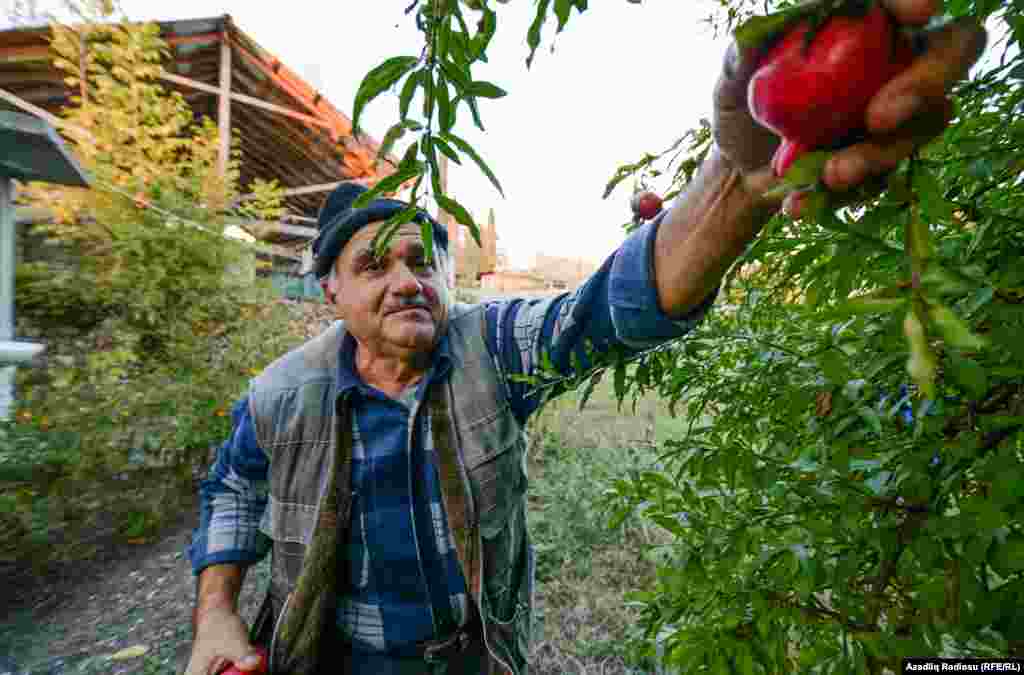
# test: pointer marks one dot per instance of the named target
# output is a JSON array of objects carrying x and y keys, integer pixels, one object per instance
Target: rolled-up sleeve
[
  {"x": 615, "y": 310},
  {"x": 633, "y": 295},
  {"x": 232, "y": 500}
]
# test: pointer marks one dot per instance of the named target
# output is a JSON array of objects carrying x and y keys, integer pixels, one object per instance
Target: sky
[{"x": 624, "y": 79}]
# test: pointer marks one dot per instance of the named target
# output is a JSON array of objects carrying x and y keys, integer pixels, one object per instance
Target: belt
[{"x": 440, "y": 650}]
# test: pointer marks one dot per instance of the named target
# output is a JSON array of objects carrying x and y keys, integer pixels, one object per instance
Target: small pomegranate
[
  {"x": 260, "y": 669},
  {"x": 813, "y": 87},
  {"x": 646, "y": 205}
]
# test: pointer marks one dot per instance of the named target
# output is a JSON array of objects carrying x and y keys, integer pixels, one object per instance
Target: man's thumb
[{"x": 251, "y": 661}]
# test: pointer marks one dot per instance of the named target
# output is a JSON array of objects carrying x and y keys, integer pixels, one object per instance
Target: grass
[{"x": 584, "y": 569}]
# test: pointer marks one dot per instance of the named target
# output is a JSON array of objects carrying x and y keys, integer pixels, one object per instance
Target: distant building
[
  {"x": 562, "y": 272},
  {"x": 509, "y": 281},
  {"x": 471, "y": 261}
]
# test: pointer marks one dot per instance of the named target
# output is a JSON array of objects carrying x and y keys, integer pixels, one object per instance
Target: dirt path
[{"x": 76, "y": 618}]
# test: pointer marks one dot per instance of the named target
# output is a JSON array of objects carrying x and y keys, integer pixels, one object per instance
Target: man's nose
[{"x": 405, "y": 282}]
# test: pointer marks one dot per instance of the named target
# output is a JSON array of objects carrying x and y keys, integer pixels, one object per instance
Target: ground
[{"x": 86, "y": 617}]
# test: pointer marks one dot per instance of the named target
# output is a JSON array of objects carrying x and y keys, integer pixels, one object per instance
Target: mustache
[{"x": 418, "y": 301}]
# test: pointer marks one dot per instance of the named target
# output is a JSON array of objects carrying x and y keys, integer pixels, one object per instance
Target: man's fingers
[
  {"x": 952, "y": 50},
  {"x": 853, "y": 165},
  {"x": 731, "y": 89}
]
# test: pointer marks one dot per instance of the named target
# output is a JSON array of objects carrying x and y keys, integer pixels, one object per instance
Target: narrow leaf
[
  {"x": 468, "y": 149},
  {"x": 444, "y": 105},
  {"x": 970, "y": 375},
  {"x": 446, "y": 149},
  {"x": 562, "y": 9},
  {"x": 533, "y": 35},
  {"x": 407, "y": 170},
  {"x": 408, "y": 91},
  {"x": 427, "y": 234},
  {"x": 487, "y": 90},
  {"x": 461, "y": 215},
  {"x": 758, "y": 31},
  {"x": 378, "y": 80}
]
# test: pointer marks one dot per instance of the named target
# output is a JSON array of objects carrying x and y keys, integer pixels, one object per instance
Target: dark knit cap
[{"x": 338, "y": 221}]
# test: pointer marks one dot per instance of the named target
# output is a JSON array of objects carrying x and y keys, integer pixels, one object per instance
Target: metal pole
[
  {"x": 7, "y": 256},
  {"x": 224, "y": 104}
]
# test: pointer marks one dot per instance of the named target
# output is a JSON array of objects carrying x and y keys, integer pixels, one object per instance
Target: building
[
  {"x": 472, "y": 262},
  {"x": 286, "y": 130},
  {"x": 562, "y": 272}
]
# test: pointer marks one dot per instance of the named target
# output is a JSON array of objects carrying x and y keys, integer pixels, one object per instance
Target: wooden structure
[
  {"x": 287, "y": 130},
  {"x": 29, "y": 150}
]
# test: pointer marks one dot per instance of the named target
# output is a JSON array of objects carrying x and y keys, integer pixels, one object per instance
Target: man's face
[{"x": 396, "y": 304}]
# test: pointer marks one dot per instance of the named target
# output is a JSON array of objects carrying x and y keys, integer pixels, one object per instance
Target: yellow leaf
[{"x": 130, "y": 653}]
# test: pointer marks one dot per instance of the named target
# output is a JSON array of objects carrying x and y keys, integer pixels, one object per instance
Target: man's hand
[
  {"x": 221, "y": 639},
  {"x": 907, "y": 112}
]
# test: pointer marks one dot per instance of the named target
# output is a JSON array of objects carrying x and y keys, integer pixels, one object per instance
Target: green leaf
[
  {"x": 486, "y": 90},
  {"x": 969, "y": 374},
  {"x": 803, "y": 173},
  {"x": 867, "y": 305},
  {"x": 459, "y": 212},
  {"x": 427, "y": 235},
  {"x": 387, "y": 230},
  {"x": 757, "y": 31},
  {"x": 930, "y": 192},
  {"x": 620, "y": 379},
  {"x": 458, "y": 77},
  {"x": 1007, "y": 557},
  {"x": 955, "y": 330},
  {"x": 834, "y": 367},
  {"x": 405, "y": 172},
  {"x": 445, "y": 110},
  {"x": 533, "y": 34},
  {"x": 379, "y": 80},
  {"x": 428, "y": 93},
  {"x": 562, "y": 9},
  {"x": 435, "y": 169},
  {"x": 408, "y": 91},
  {"x": 394, "y": 134},
  {"x": 485, "y": 31},
  {"x": 446, "y": 149},
  {"x": 468, "y": 149}
]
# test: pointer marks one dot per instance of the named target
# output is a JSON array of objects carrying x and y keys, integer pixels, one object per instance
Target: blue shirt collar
[{"x": 348, "y": 378}]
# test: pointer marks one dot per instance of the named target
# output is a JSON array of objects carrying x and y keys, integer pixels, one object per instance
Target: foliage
[
  {"x": 827, "y": 517},
  {"x": 848, "y": 490},
  {"x": 152, "y": 321}
]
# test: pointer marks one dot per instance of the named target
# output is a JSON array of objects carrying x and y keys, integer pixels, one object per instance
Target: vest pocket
[{"x": 498, "y": 484}]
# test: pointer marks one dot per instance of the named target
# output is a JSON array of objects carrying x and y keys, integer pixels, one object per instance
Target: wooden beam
[
  {"x": 262, "y": 228},
  {"x": 298, "y": 219},
  {"x": 44, "y": 53},
  {"x": 243, "y": 98},
  {"x": 340, "y": 129},
  {"x": 279, "y": 251},
  {"x": 52, "y": 120},
  {"x": 224, "y": 108}
]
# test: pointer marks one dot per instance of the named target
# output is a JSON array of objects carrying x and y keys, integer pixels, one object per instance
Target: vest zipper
[{"x": 273, "y": 636}]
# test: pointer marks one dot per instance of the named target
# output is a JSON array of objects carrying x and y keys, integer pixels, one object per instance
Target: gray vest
[{"x": 305, "y": 429}]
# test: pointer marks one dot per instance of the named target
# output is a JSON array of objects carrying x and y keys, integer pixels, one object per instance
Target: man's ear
[{"x": 325, "y": 285}]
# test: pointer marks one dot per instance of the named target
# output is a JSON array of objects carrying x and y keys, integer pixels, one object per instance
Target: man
[{"x": 382, "y": 462}]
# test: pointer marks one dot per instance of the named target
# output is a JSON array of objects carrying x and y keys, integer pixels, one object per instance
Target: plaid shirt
[{"x": 407, "y": 585}]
